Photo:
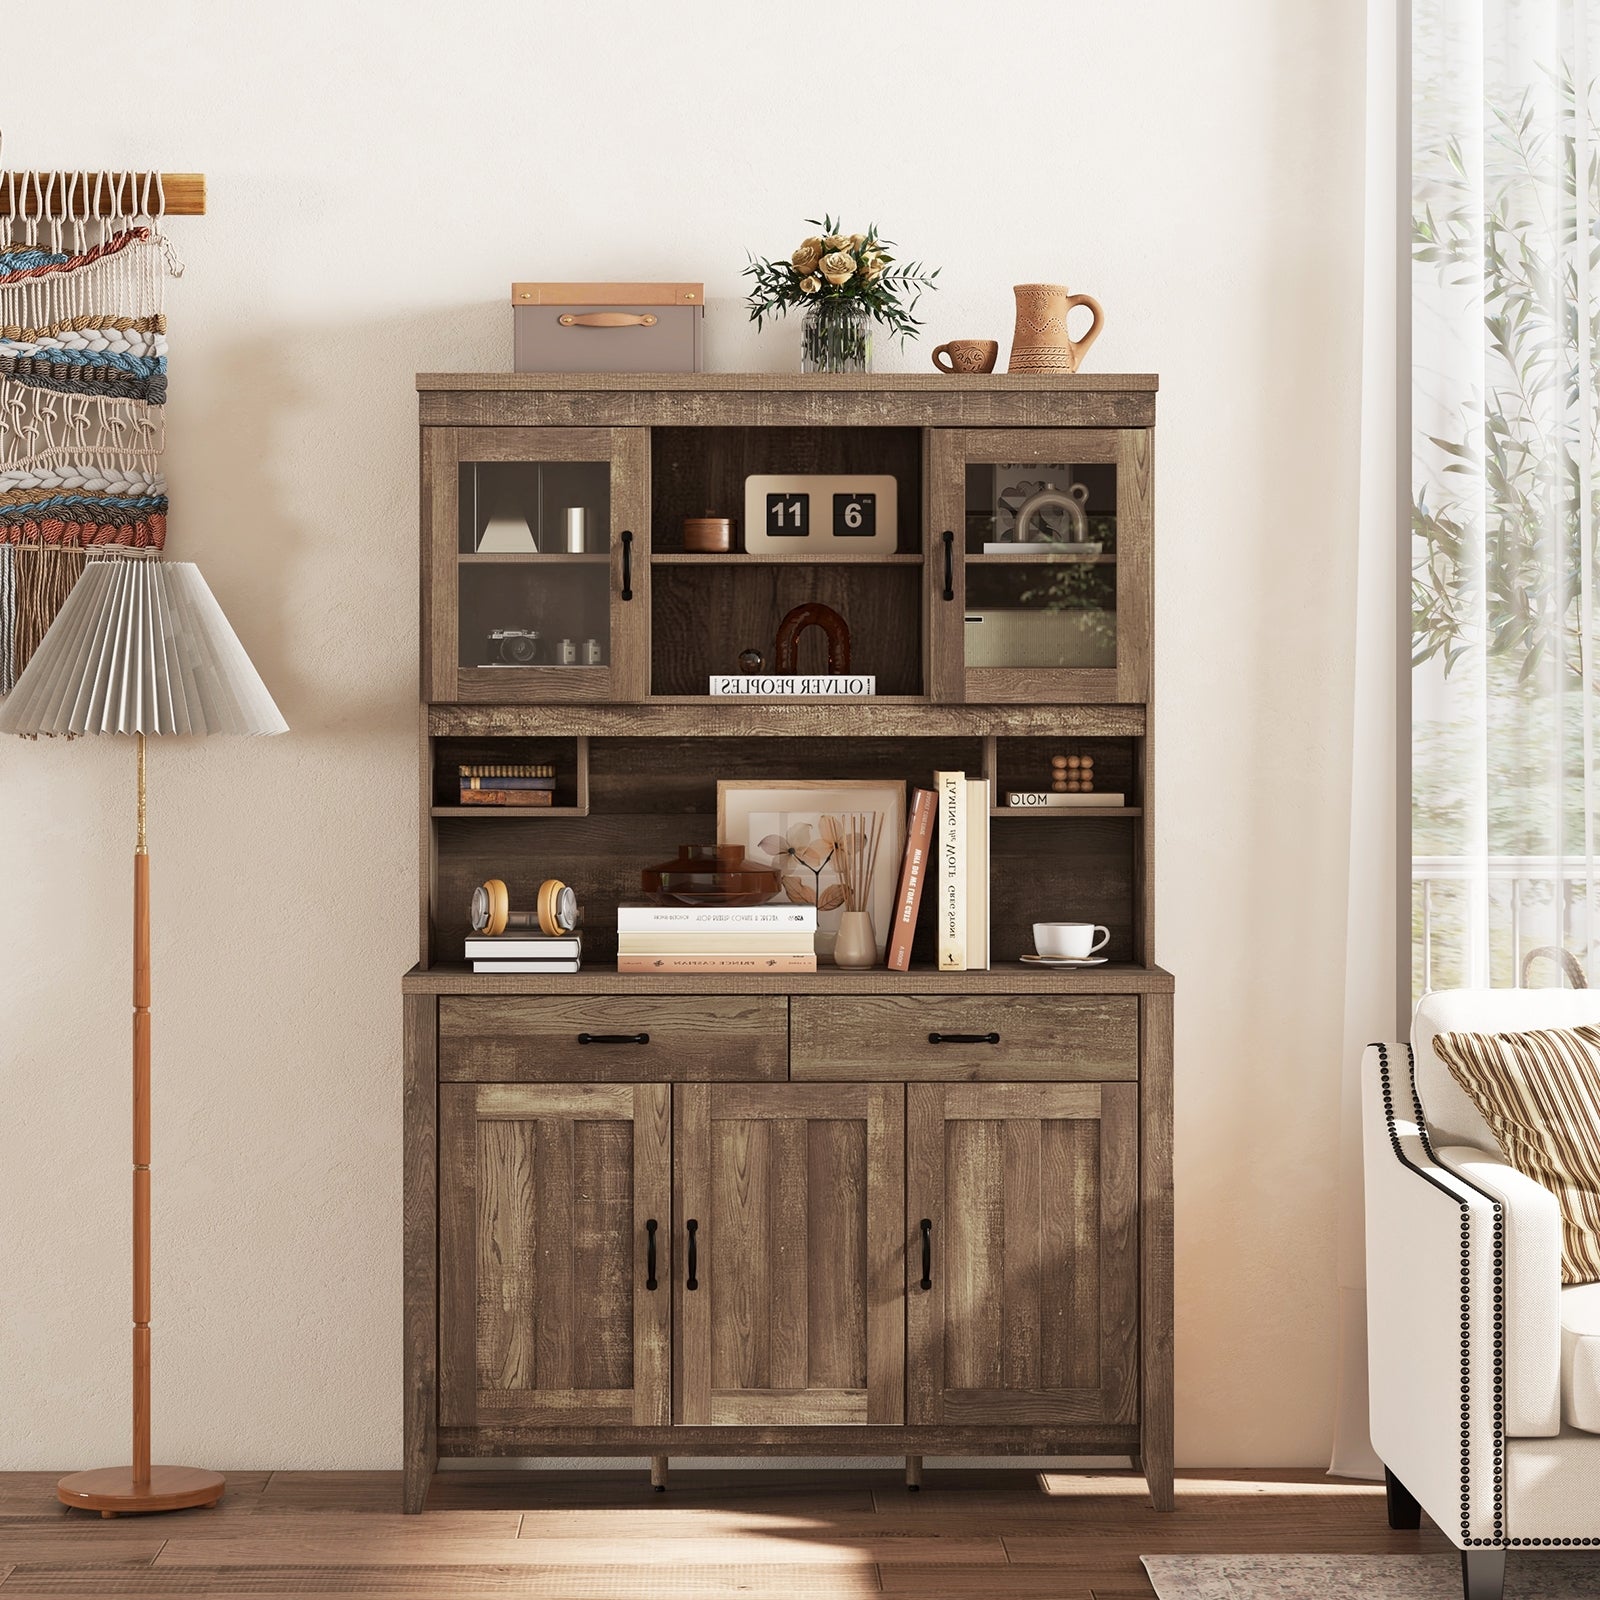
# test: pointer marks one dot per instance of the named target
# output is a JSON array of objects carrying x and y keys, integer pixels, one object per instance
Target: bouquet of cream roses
[{"x": 832, "y": 267}]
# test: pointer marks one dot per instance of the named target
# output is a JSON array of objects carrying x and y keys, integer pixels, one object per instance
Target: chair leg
[
  {"x": 1483, "y": 1574},
  {"x": 1404, "y": 1512},
  {"x": 658, "y": 1474}
]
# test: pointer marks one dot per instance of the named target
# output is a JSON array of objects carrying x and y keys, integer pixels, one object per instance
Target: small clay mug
[{"x": 967, "y": 355}]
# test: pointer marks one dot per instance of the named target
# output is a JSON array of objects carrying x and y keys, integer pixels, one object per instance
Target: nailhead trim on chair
[{"x": 1499, "y": 1540}]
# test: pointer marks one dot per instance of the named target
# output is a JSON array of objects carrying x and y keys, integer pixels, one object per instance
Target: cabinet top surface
[
  {"x": 784, "y": 382},
  {"x": 1113, "y": 978}
]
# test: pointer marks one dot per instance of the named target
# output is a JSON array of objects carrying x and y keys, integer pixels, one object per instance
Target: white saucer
[{"x": 1067, "y": 961}]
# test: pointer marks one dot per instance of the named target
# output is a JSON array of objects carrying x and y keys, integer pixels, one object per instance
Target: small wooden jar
[{"x": 707, "y": 535}]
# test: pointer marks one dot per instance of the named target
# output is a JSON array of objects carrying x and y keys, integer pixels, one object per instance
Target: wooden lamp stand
[{"x": 116, "y": 1491}]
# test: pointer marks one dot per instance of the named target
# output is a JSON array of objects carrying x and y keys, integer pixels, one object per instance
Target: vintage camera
[{"x": 517, "y": 646}]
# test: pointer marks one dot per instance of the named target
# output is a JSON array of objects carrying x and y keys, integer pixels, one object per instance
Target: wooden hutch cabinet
[{"x": 851, "y": 1213}]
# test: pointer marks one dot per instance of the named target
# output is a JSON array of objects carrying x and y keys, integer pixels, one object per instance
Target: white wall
[{"x": 378, "y": 175}]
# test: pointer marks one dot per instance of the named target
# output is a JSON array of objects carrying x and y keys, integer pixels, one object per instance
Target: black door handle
[
  {"x": 650, "y": 1254},
  {"x": 963, "y": 1038},
  {"x": 927, "y": 1252},
  {"x": 613, "y": 1038},
  {"x": 627, "y": 564},
  {"x": 949, "y": 565},
  {"x": 694, "y": 1254}
]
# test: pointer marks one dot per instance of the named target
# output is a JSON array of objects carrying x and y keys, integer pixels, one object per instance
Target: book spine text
[{"x": 952, "y": 863}]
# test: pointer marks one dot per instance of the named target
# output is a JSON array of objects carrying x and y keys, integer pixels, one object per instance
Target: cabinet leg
[
  {"x": 1156, "y": 1462},
  {"x": 913, "y": 1473},
  {"x": 418, "y": 1479},
  {"x": 658, "y": 1474}
]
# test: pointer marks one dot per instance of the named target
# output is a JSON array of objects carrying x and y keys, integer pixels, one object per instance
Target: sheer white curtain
[
  {"x": 1503, "y": 394},
  {"x": 1371, "y": 928},
  {"x": 1502, "y": 305}
]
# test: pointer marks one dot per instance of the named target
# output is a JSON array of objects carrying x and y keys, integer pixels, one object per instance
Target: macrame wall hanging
[{"x": 83, "y": 380}]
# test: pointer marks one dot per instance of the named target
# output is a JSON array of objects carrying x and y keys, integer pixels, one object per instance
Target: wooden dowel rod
[
  {"x": 141, "y": 1408},
  {"x": 182, "y": 194},
  {"x": 141, "y": 1146}
]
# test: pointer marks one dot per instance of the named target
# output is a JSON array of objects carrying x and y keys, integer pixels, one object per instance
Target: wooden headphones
[{"x": 557, "y": 909}]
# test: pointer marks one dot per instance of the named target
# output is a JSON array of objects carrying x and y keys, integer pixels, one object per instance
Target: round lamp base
[{"x": 112, "y": 1492}]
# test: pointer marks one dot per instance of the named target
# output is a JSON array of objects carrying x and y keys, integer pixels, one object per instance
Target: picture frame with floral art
[{"x": 784, "y": 825}]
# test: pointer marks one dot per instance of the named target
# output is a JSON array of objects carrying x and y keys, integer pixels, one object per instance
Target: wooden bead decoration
[{"x": 1072, "y": 772}]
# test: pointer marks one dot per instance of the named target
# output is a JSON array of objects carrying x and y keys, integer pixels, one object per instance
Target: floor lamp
[{"x": 141, "y": 647}]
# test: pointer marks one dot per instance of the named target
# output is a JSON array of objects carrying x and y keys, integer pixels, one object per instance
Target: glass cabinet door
[
  {"x": 1040, "y": 544},
  {"x": 539, "y": 577}
]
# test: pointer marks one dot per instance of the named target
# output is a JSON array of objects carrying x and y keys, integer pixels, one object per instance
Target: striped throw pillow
[{"x": 1540, "y": 1094}]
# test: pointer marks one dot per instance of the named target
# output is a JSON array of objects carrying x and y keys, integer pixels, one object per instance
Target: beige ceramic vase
[
  {"x": 1041, "y": 342},
  {"x": 855, "y": 946}
]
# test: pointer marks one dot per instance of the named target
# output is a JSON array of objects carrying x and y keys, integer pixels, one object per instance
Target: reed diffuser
[{"x": 855, "y": 837}]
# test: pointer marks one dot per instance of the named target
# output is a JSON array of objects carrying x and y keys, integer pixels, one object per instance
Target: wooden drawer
[
  {"x": 1012, "y": 1038},
  {"x": 539, "y": 1038}
]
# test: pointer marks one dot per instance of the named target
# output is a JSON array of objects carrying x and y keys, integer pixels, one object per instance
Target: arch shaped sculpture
[{"x": 813, "y": 614}]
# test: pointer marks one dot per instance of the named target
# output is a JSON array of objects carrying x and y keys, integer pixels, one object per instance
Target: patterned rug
[{"x": 1551, "y": 1575}]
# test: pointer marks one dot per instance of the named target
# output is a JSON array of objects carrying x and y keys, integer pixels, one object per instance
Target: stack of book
[
  {"x": 522, "y": 951},
  {"x": 947, "y": 837},
  {"x": 515, "y": 783},
  {"x": 652, "y": 938}
]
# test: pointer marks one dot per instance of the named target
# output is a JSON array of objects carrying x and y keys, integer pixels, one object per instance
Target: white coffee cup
[{"x": 1069, "y": 941}]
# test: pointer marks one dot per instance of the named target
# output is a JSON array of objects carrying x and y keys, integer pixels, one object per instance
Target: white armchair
[{"x": 1484, "y": 1371}]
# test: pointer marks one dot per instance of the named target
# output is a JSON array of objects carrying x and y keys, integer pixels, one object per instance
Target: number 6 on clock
[{"x": 855, "y": 516}]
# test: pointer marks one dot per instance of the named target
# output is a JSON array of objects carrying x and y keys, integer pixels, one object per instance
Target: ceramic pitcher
[{"x": 1041, "y": 342}]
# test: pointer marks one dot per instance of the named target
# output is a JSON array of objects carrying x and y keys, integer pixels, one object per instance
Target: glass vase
[{"x": 836, "y": 336}]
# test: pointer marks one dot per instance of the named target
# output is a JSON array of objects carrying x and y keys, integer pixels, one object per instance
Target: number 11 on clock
[{"x": 788, "y": 516}]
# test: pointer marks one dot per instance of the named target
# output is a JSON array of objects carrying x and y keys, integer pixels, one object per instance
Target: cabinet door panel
[
  {"x": 1030, "y": 1194},
  {"x": 501, "y": 586},
  {"x": 797, "y": 1314},
  {"x": 545, "y": 1313},
  {"x": 1040, "y": 620}
]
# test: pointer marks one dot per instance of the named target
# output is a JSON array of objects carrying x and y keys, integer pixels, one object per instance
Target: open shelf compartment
[
  {"x": 699, "y": 472},
  {"x": 1024, "y": 766},
  {"x": 569, "y": 757},
  {"x": 644, "y": 797}
]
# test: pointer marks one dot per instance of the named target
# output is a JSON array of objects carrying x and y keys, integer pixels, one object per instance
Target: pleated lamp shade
[{"x": 141, "y": 646}]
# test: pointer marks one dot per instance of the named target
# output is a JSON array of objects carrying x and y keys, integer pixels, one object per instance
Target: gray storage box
[{"x": 607, "y": 327}]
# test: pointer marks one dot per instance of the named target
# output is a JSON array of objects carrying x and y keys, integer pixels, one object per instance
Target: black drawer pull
[
  {"x": 963, "y": 1038},
  {"x": 694, "y": 1254},
  {"x": 627, "y": 564},
  {"x": 927, "y": 1252},
  {"x": 650, "y": 1254},
  {"x": 949, "y": 564},
  {"x": 613, "y": 1038}
]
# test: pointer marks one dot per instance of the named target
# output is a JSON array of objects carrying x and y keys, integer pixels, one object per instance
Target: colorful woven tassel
[{"x": 83, "y": 377}]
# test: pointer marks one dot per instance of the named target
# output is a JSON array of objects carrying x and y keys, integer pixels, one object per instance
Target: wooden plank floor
[{"x": 822, "y": 1536}]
